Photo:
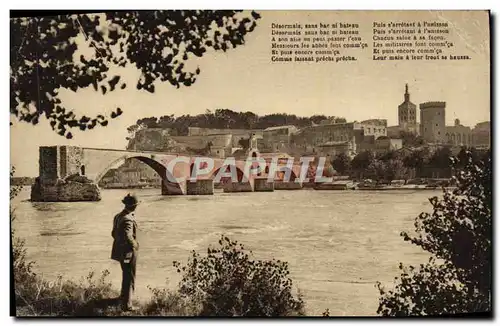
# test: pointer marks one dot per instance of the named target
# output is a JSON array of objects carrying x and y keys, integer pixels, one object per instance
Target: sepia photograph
[{"x": 250, "y": 163}]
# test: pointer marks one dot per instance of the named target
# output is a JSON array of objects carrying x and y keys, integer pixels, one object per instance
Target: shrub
[
  {"x": 38, "y": 297},
  {"x": 227, "y": 282},
  {"x": 164, "y": 302},
  {"x": 457, "y": 278},
  {"x": 35, "y": 296}
]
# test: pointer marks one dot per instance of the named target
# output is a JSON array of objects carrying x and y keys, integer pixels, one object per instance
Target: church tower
[{"x": 407, "y": 114}]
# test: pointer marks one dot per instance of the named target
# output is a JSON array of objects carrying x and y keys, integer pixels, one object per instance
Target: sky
[{"x": 245, "y": 79}]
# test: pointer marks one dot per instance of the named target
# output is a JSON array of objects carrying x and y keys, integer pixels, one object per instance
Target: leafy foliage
[
  {"x": 224, "y": 119},
  {"x": 417, "y": 159},
  {"x": 458, "y": 234},
  {"x": 44, "y": 50},
  {"x": 164, "y": 302},
  {"x": 341, "y": 163},
  {"x": 227, "y": 282},
  {"x": 14, "y": 190},
  {"x": 440, "y": 158},
  {"x": 411, "y": 139},
  {"x": 362, "y": 160},
  {"x": 386, "y": 169}
]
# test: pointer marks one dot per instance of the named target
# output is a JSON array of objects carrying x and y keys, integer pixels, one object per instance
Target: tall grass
[{"x": 227, "y": 282}]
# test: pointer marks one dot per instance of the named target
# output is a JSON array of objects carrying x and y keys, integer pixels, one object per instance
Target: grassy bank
[
  {"x": 92, "y": 296},
  {"x": 226, "y": 282}
]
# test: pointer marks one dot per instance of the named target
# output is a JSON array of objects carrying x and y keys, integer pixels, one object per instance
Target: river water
[{"x": 337, "y": 243}]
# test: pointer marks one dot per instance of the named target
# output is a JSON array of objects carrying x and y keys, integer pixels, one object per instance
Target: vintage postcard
[{"x": 251, "y": 163}]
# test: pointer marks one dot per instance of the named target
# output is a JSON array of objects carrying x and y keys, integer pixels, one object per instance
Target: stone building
[
  {"x": 384, "y": 144},
  {"x": 219, "y": 143},
  {"x": 481, "y": 135},
  {"x": 394, "y": 131},
  {"x": 432, "y": 122},
  {"x": 216, "y": 145},
  {"x": 379, "y": 145},
  {"x": 340, "y": 137},
  {"x": 459, "y": 135},
  {"x": 333, "y": 148},
  {"x": 276, "y": 139},
  {"x": 237, "y": 134},
  {"x": 308, "y": 139},
  {"x": 407, "y": 114},
  {"x": 374, "y": 127}
]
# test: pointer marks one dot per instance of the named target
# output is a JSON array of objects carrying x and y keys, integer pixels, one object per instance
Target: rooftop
[
  {"x": 280, "y": 127},
  {"x": 271, "y": 155},
  {"x": 334, "y": 143}
]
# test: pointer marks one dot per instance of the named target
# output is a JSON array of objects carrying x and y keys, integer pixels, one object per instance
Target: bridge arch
[
  {"x": 159, "y": 168},
  {"x": 239, "y": 174},
  {"x": 279, "y": 175}
]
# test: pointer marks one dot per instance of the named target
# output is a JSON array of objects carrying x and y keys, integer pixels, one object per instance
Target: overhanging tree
[
  {"x": 43, "y": 54},
  {"x": 458, "y": 235}
]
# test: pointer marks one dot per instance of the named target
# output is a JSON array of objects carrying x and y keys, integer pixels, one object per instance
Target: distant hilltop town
[{"x": 314, "y": 136}]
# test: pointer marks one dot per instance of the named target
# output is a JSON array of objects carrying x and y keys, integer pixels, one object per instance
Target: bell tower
[{"x": 407, "y": 113}]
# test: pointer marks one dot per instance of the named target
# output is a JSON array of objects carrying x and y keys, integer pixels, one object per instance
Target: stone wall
[
  {"x": 71, "y": 161},
  {"x": 59, "y": 162},
  {"x": 223, "y": 141},
  {"x": 48, "y": 163},
  {"x": 65, "y": 191}
]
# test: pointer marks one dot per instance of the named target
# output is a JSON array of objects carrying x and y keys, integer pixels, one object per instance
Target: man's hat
[{"x": 130, "y": 200}]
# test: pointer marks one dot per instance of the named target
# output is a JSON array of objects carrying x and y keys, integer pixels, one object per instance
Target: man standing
[{"x": 125, "y": 248}]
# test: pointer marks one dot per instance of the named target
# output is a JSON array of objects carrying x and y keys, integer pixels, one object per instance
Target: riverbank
[
  {"x": 327, "y": 252},
  {"x": 91, "y": 297}
]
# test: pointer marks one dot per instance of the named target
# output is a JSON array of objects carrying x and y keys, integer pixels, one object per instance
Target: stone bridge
[{"x": 70, "y": 173}]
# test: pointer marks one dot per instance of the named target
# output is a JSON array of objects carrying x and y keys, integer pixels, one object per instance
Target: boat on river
[{"x": 336, "y": 185}]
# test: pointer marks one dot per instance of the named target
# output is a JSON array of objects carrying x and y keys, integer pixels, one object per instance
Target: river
[{"x": 337, "y": 243}]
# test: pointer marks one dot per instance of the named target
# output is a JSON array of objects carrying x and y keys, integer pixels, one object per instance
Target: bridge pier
[
  {"x": 64, "y": 191},
  {"x": 172, "y": 189},
  {"x": 291, "y": 185},
  {"x": 200, "y": 187},
  {"x": 261, "y": 184},
  {"x": 60, "y": 179},
  {"x": 238, "y": 187}
]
